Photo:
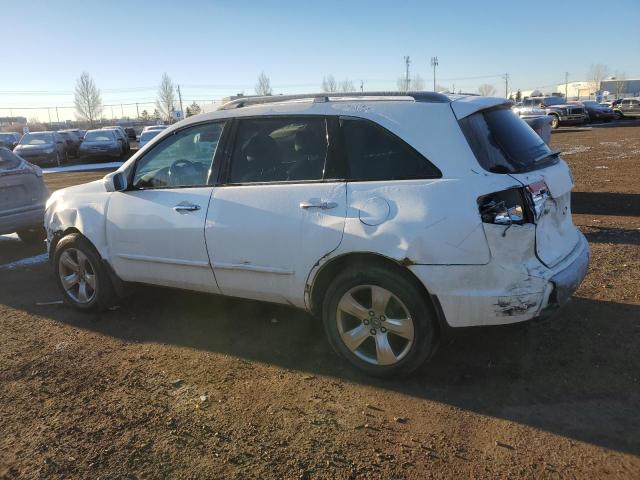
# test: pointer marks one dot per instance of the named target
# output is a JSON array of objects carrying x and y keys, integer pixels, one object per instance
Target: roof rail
[{"x": 429, "y": 97}]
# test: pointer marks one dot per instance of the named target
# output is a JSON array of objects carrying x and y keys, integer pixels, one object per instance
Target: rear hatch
[
  {"x": 504, "y": 144},
  {"x": 20, "y": 187}
]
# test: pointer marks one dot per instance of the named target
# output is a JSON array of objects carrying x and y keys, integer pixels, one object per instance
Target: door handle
[
  {"x": 185, "y": 207},
  {"x": 318, "y": 204}
]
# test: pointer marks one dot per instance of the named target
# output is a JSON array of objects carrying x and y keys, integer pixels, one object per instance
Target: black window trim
[
  {"x": 213, "y": 173},
  {"x": 376, "y": 125},
  {"x": 233, "y": 136}
]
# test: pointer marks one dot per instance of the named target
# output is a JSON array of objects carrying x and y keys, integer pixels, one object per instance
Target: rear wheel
[
  {"x": 379, "y": 321},
  {"x": 32, "y": 235},
  {"x": 555, "y": 121},
  {"x": 81, "y": 275}
]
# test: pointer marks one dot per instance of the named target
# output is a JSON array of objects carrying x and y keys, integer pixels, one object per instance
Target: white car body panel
[
  {"x": 255, "y": 241},
  {"x": 263, "y": 243},
  {"x": 150, "y": 242}
]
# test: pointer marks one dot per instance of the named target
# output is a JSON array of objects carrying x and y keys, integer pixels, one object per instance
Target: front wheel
[
  {"x": 555, "y": 121},
  {"x": 379, "y": 321},
  {"x": 81, "y": 275}
]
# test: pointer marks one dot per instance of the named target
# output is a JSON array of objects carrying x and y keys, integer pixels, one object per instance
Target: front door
[
  {"x": 276, "y": 214},
  {"x": 155, "y": 229}
]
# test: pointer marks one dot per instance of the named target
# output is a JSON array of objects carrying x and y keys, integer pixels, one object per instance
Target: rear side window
[
  {"x": 8, "y": 159},
  {"x": 279, "y": 150},
  {"x": 503, "y": 143},
  {"x": 374, "y": 153}
]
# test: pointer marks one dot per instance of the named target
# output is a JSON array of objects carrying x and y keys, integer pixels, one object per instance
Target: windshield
[
  {"x": 503, "y": 143},
  {"x": 7, "y": 136},
  {"x": 591, "y": 104},
  {"x": 554, "y": 101},
  {"x": 37, "y": 139},
  {"x": 99, "y": 136},
  {"x": 148, "y": 135}
]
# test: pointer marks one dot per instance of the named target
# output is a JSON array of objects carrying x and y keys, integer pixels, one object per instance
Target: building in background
[
  {"x": 578, "y": 90},
  {"x": 621, "y": 88},
  {"x": 13, "y": 121}
]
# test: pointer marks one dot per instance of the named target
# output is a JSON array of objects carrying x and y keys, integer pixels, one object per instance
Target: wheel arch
[{"x": 320, "y": 280}]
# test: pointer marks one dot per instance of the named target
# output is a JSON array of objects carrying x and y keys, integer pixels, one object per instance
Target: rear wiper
[{"x": 544, "y": 156}]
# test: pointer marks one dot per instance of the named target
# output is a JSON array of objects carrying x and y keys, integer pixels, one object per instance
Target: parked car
[
  {"x": 561, "y": 112},
  {"x": 101, "y": 144},
  {"x": 596, "y": 112},
  {"x": 122, "y": 135},
  {"x": 8, "y": 139},
  {"x": 154, "y": 127},
  {"x": 628, "y": 107},
  {"x": 22, "y": 198},
  {"x": 131, "y": 133},
  {"x": 42, "y": 148},
  {"x": 72, "y": 142},
  {"x": 393, "y": 220},
  {"x": 146, "y": 136}
]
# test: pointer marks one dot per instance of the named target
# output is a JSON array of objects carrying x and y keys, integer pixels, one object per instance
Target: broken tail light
[{"x": 515, "y": 205}]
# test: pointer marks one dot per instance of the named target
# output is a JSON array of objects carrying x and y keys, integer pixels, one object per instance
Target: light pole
[{"x": 434, "y": 64}]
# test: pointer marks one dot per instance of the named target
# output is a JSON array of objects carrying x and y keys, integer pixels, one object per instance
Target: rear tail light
[
  {"x": 515, "y": 205},
  {"x": 504, "y": 208}
]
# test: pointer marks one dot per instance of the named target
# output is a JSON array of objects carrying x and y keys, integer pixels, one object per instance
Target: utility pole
[
  {"x": 506, "y": 85},
  {"x": 112, "y": 115},
  {"x": 57, "y": 116},
  {"x": 121, "y": 111},
  {"x": 49, "y": 111},
  {"x": 137, "y": 111},
  {"x": 180, "y": 98},
  {"x": 566, "y": 85},
  {"x": 362, "y": 85},
  {"x": 407, "y": 62},
  {"x": 434, "y": 64}
]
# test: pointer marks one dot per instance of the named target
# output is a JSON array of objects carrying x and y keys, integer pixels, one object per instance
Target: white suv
[{"x": 392, "y": 217}]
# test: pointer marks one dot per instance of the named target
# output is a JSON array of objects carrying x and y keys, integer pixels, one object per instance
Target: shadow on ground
[
  {"x": 606, "y": 203},
  {"x": 575, "y": 375}
]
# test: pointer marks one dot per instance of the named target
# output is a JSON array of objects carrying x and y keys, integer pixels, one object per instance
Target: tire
[
  {"x": 75, "y": 256},
  {"x": 619, "y": 114},
  {"x": 32, "y": 235},
  {"x": 555, "y": 122},
  {"x": 371, "y": 329}
]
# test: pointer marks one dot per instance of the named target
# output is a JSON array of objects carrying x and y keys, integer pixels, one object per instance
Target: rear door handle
[
  {"x": 184, "y": 207},
  {"x": 318, "y": 204}
]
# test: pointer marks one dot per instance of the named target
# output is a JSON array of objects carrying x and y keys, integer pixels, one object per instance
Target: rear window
[
  {"x": 37, "y": 139},
  {"x": 148, "y": 135},
  {"x": 99, "y": 136},
  {"x": 503, "y": 143},
  {"x": 8, "y": 159}
]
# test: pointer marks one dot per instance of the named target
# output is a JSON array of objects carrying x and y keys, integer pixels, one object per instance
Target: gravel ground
[{"x": 179, "y": 385}]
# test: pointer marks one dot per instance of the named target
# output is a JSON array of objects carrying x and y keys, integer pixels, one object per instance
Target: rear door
[
  {"x": 20, "y": 188},
  {"x": 278, "y": 210}
]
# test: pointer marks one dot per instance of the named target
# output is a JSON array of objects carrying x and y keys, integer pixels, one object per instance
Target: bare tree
[
  {"x": 403, "y": 84},
  {"x": 87, "y": 99},
  {"x": 597, "y": 72},
  {"x": 263, "y": 87},
  {"x": 621, "y": 83},
  {"x": 346, "y": 85},
  {"x": 417, "y": 82},
  {"x": 166, "y": 98},
  {"x": 329, "y": 84},
  {"x": 486, "y": 90}
]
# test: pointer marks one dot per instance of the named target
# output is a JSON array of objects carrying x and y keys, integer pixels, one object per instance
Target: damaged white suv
[{"x": 391, "y": 217}]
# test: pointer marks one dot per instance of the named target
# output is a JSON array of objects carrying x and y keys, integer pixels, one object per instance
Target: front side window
[
  {"x": 183, "y": 159},
  {"x": 37, "y": 139},
  {"x": 279, "y": 150},
  {"x": 374, "y": 153}
]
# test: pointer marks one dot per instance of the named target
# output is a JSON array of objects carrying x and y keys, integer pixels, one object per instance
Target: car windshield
[
  {"x": 7, "y": 136},
  {"x": 148, "y": 135},
  {"x": 99, "y": 136},
  {"x": 591, "y": 104},
  {"x": 503, "y": 143},
  {"x": 37, "y": 139},
  {"x": 554, "y": 101}
]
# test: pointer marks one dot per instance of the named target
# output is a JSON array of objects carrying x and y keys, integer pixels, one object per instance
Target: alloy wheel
[
  {"x": 77, "y": 275},
  {"x": 375, "y": 325}
]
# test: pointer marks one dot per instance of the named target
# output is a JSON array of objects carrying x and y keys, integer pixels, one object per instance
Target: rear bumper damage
[{"x": 508, "y": 290}]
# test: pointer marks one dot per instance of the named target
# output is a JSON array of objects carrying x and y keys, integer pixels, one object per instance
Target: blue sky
[{"x": 216, "y": 48}]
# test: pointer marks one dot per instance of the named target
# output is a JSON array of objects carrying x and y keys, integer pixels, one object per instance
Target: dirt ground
[{"x": 179, "y": 385}]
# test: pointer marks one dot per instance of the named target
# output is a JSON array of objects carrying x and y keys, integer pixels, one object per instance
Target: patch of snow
[
  {"x": 87, "y": 167},
  {"x": 576, "y": 149}
]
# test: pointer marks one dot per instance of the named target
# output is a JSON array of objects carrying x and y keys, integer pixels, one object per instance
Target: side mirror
[{"x": 115, "y": 182}]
